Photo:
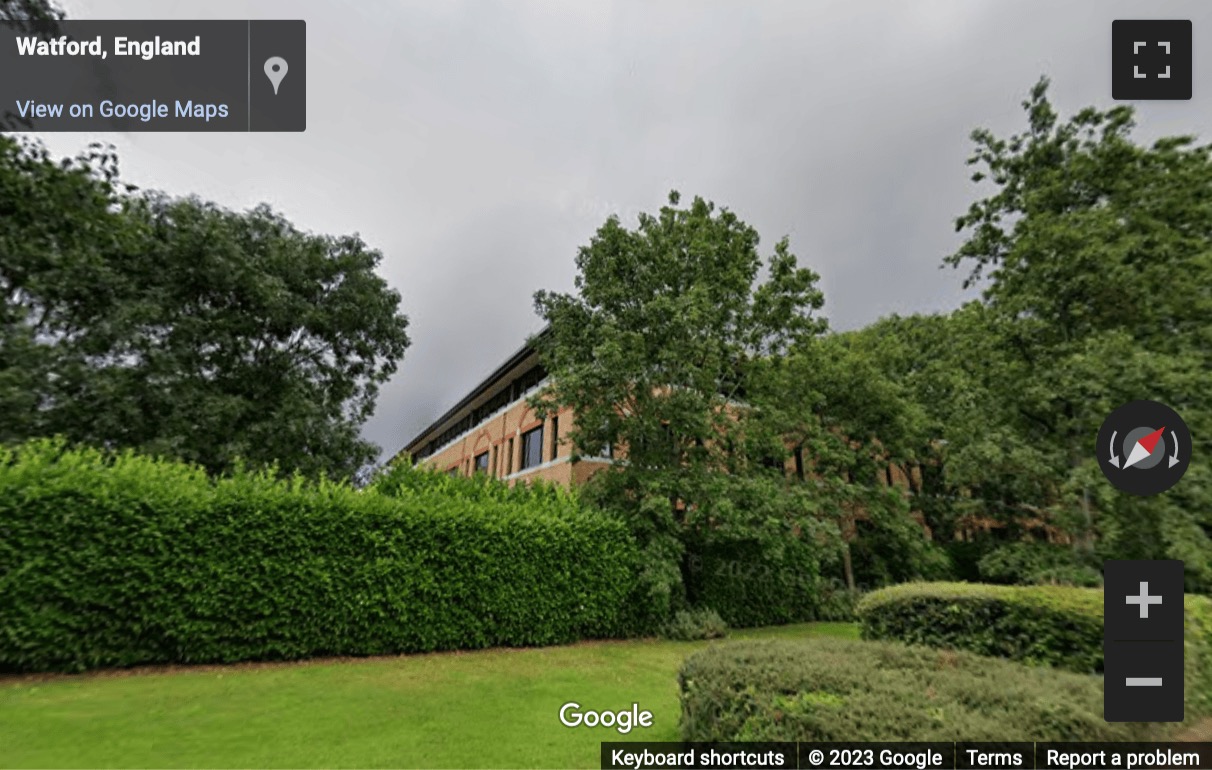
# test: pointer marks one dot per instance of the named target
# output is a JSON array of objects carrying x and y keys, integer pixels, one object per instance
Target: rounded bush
[
  {"x": 847, "y": 690},
  {"x": 1049, "y": 625},
  {"x": 1052, "y": 625}
]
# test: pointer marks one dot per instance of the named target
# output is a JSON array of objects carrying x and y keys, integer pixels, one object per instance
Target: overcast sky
[{"x": 477, "y": 144}]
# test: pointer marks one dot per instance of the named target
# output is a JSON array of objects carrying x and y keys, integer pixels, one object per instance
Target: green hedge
[
  {"x": 1050, "y": 625},
  {"x": 752, "y": 583},
  {"x": 847, "y": 690},
  {"x": 123, "y": 560}
]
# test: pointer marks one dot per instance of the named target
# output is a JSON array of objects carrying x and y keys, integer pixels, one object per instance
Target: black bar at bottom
[
  {"x": 1003, "y": 756},
  {"x": 698, "y": 756},
  {"x": 1123, "y": 756},
  {"x": 1171, "y": 755},
  {"x": 893, "y": 756}
]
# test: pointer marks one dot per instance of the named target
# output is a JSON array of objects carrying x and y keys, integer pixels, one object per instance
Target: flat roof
[{"x": 486, "y": 384}]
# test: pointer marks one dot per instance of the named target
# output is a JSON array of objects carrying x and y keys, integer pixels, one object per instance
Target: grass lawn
[{"x": 491, "y": 708}]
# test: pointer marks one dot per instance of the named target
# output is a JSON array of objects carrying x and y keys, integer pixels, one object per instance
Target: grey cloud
[{"x": 478, "y": 144}]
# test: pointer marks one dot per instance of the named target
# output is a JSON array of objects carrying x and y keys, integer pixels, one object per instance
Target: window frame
[{"x": 529, "y": 438}]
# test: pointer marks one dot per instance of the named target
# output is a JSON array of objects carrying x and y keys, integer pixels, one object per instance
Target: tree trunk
[{"x": 847, "y": 567}]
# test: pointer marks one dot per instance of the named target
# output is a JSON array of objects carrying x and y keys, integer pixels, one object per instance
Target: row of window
[
  {"x": 507, "y": 395},
  {"x": 531, "y": 455}
]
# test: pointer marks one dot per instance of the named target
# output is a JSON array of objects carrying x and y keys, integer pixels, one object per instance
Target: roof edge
[{"x": 514, "y": 359}]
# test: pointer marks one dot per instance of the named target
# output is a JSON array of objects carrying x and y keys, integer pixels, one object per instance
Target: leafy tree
[
  {"x": 1096, "y": 257},
  {"x": 658, "y": 353},
  {"x": 849, "y": 422},
  {"x": 177, "y": 327}
]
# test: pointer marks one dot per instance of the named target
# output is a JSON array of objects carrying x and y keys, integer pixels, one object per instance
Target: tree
[
  {"x": 1097, "y": 256},
  {"x": 851, "y": 422},
  {"x": 658, "y": 352},
  {"x": 180, "y": 328}
]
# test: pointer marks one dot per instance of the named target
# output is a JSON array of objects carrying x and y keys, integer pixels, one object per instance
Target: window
[
  {"x": 528, "y": 380},
  {"x": 555, "y": 437},
  {"x": 532, "y": 448},
  {"x": 799, "y": 462},
  {"x": 608, "y": 449},
  {"x": 453, "y": 472},
  {"x": 482, "y": 463},
  {"x": 509, "y": 459}
]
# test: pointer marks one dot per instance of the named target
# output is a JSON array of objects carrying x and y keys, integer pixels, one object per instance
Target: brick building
[{"x": 492, "y": 430}]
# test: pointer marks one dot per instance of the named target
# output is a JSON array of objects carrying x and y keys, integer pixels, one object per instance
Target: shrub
[
  {"x": 1050, "y": 625},
  {"x": 747, "y": 546},
  {"x": 1036, "y": 563},
  {"x": 1055, "y": 626},
  {"x": 754, "y": 582},
  {"x": 116, "y": 560},
  {"x": 837, "y": 602},
  {"x": 889, "y": 546},
  {"x": 847, "y": 690},
  {"x": 690, "y": 625},
  {"x": 405, "y": 481}
]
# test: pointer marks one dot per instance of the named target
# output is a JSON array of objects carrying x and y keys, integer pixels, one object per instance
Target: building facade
[{"x": 493, "y": 431}]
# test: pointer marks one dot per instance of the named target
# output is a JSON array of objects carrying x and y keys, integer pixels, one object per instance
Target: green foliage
[
  {"x": 844, "y": 690},
  {"x": 836, "y": 602},
  {"x": 691, "y": 625},
  {"x": 1092, "y": 252},
  {"x": 181, "y": 329},
  {"x": 1096, "y": 254},
  {"x": 755, "y": 546},
  {"x": 658, "y": 354},
  {"x": 849, "y": 419},
  {"x": 117, "y": 560},
  {"x": 1049, "y": 625},
  {"x": 756, "y": 582},
  {"x": 405, "y": 481},
  {"x": 751, "y": 549},
  {"x": 1055, "y": 626},
  {"x": 1032, "y": 563}
]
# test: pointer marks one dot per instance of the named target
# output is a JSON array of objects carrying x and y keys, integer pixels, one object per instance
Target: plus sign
[{"x": 1144, "y": 600}]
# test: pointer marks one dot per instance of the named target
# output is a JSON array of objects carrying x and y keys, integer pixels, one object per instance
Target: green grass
[{"x": 492, "y": 708}]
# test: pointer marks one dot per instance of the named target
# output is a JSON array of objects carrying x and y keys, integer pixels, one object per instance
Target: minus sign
[{"x": 1143, "y": 681}]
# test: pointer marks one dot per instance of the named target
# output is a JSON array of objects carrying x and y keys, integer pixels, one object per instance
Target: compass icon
[{"x": 1144, "y": 447}]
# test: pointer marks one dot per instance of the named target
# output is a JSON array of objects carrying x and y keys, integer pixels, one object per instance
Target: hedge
[
  {"x": 752, "y": 583},
  {"x": 1050, "y": 625},
  {"x": 122, "y": 560},
  {"x": 848, "y": 690}
]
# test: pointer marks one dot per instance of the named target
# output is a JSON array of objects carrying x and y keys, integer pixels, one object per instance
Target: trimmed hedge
[
  {"x": 847, "y": 690},
  {"x": 124, "y": 560},
  {"x": 1050, "y": 625}
]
